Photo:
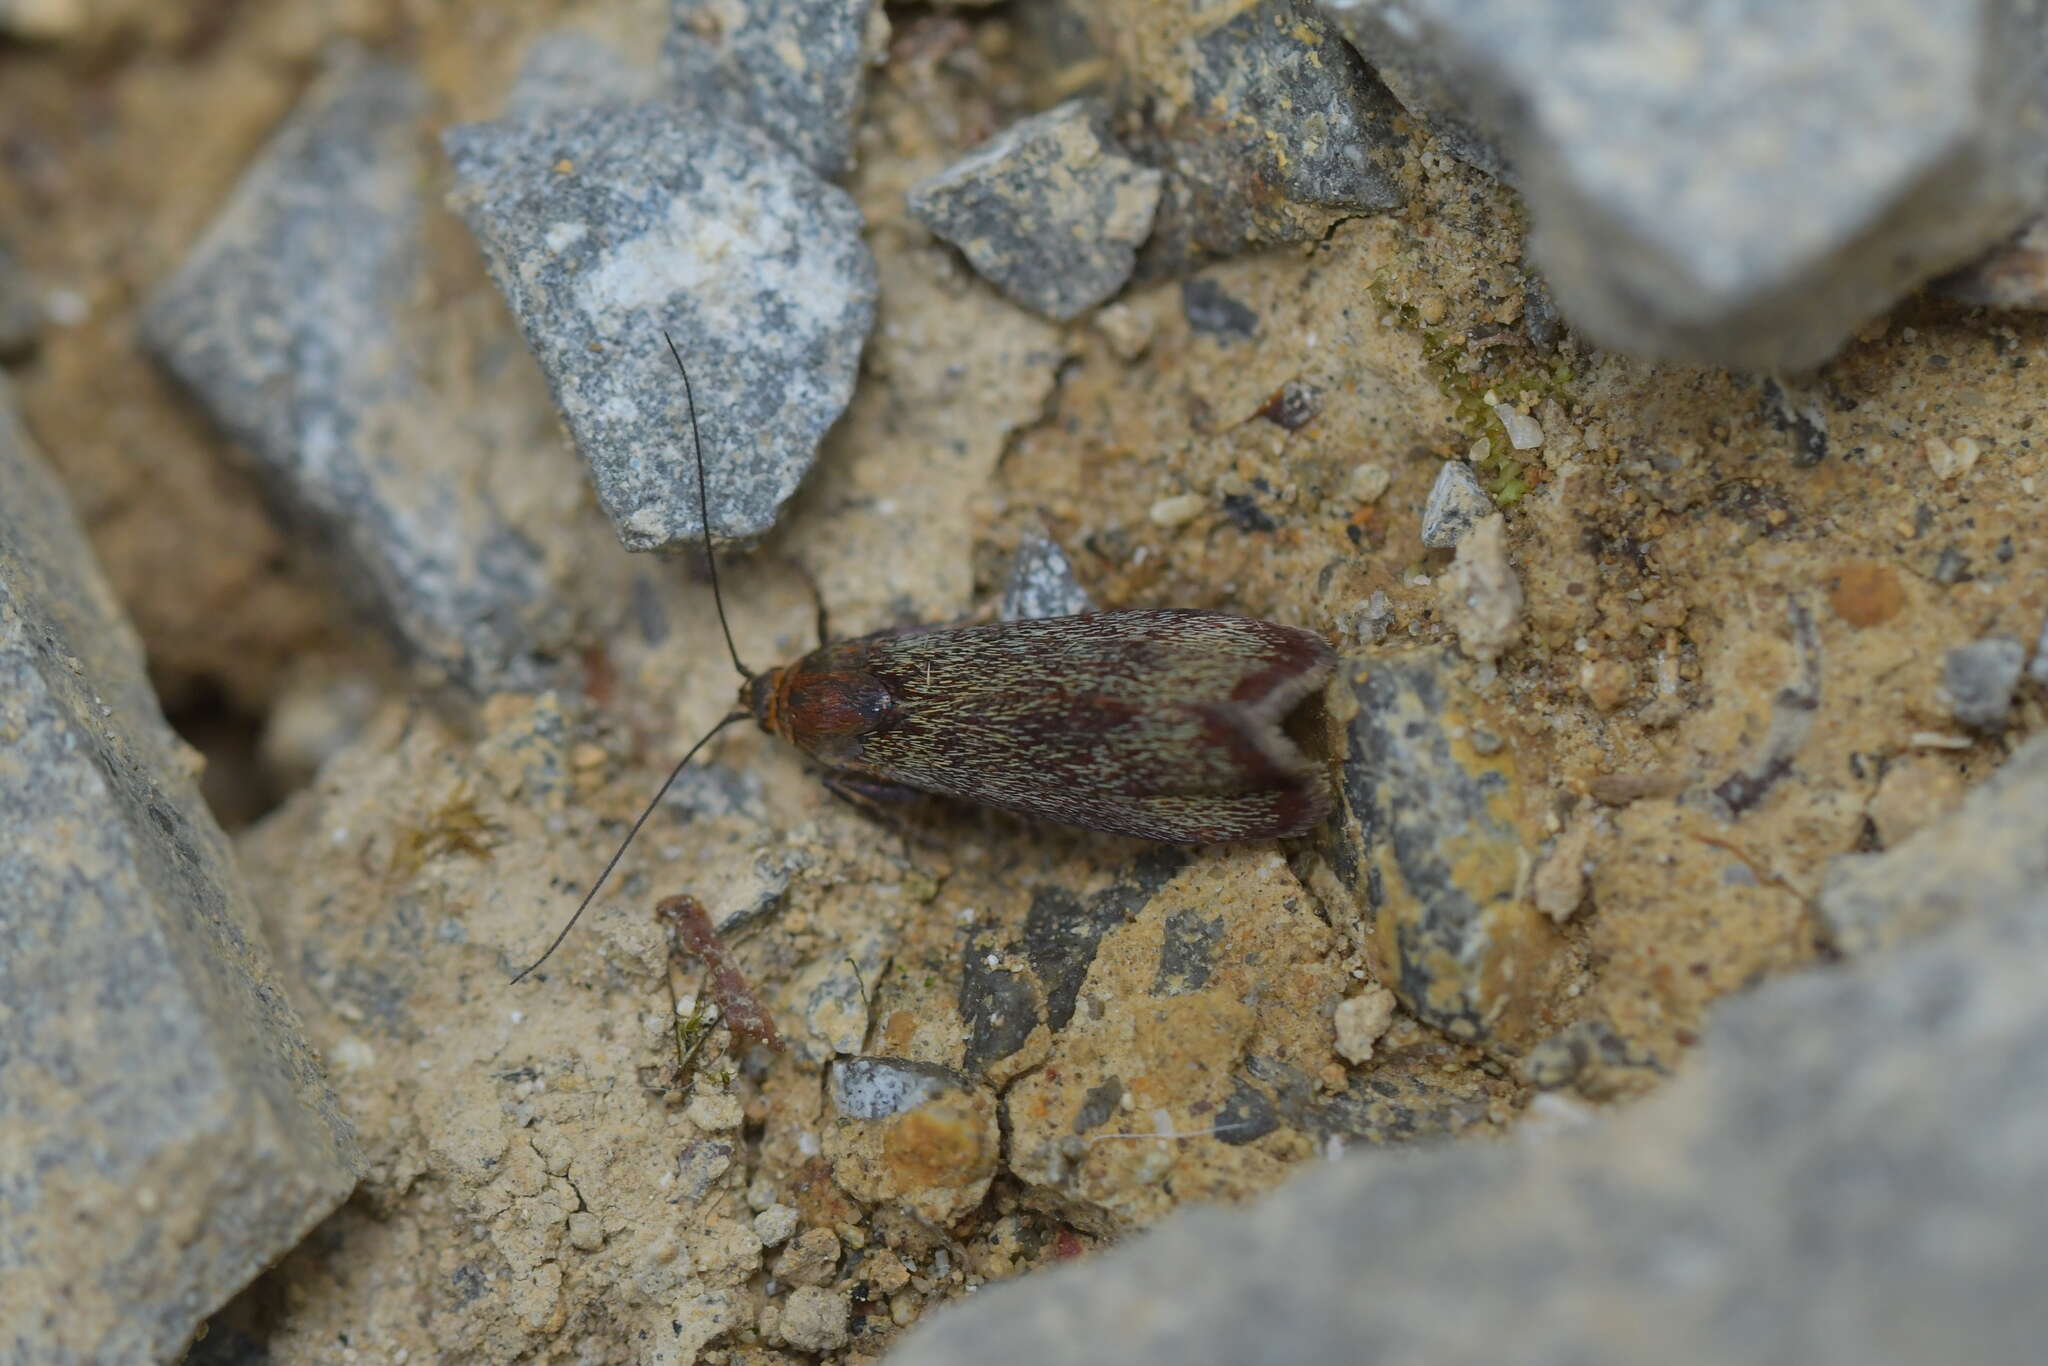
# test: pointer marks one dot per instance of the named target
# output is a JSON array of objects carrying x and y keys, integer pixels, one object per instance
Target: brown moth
[{"x": 1166, "y": 724}]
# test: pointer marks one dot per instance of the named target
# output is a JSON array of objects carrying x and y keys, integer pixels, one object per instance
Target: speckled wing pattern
[{"x": 1163, "y": 724}]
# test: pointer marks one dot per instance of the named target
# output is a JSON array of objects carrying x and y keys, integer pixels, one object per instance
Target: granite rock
[
  {"x": 1456, "y": 503},
  {"x": 793, "y": 68},
  {"x": 1990, "y": 852},
  {"x": 605, "y": 226},
  {"x": 1416, "y": 76},
  {"x": 1740, "y": 185},
  {"x": 1051, "y": 210},
  {"x": 289, "y": 321},
  {"x": 1042, "y": 583},
  {"x": 1978, "y": 679},
  {"x": 1272, "y": 132},
  {"x": 165, "y": 1131},
  {"x": 1429, "y": 846},
  {"x": 1850, "y": 1175}
]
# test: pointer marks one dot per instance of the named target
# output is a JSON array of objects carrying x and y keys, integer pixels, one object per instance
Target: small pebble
[
  {"x": 1978, "y": 680},
  {"x": 1455, "y": 503},
  {"x": 1607, "y": 682},
  {"x": 812, "y": 1259},
  {"x": 1361, "y": 1020},
  {"x": 1128, "y": 330},
  {"x": 1949, "y": 459},
  {"x": 1369, "y": 483},
  {"x": 1525, "y": 433},
  {"x": 1051, "y": 210},
  {"x": 586, "y": 1234},
  {"x": 1480, "y": 597},
  {"x": 1178, "y": 510},
  {"x": 1559, "y": 884},
  {"x": 716, "y": 1111},
  {"x": 775, "y": 1225},
  {"x": 815, "y": 1319}
]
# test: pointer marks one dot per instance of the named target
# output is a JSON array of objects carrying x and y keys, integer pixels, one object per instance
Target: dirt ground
[{"x": 546, "y": 1183}]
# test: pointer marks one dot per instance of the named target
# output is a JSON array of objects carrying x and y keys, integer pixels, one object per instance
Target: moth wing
[{"x": 1164, "y": 724}]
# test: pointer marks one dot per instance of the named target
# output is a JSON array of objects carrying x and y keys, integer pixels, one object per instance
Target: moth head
[{"x": 761, "y": 696}]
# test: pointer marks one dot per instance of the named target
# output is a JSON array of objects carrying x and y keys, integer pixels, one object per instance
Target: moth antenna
[
  {"x": 624, "y": 844},
  {"x": 704, "y": 509}
]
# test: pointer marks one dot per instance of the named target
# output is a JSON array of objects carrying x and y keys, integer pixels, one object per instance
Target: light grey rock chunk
[
  {"x": 1456, "y": 503},
  {"x": 1993, "y": 851},
  {"x": 571, "y": 68},
  {"x": 607, "y": 225},
  {"x": 1741, "y": 184},
  {"x": 165, "y": 1132},
  {"x": 1852, "y": 1173},
  {"x": 1042, "y": 583},
  {"x": 1051, "y": 210},
  {"x": 794, "y": 68},
  {"x": 1979, "y": 679},
  {"x": 1279, "y": 132},
  {"x": 1423, "y": 850},
  {"x": 289, "y": 321},
  {"x": 876, "y": 1088}
]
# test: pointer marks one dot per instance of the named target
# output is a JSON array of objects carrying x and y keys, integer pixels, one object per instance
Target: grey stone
[
  {"x": 2038, "y": 670},
  {"x": 606, "y": 225},
  {"x": 876, "y": 1088},
  {"x": 1416, "y": 76},
  {"x": 1740, "y": 184},
  {"x": 165, "y": 1132},
  {"x": 21, "y": 312},
  {"x": 1042, "y": 583},
  {"x": 1423, "y": 852},
  {"x": 1851, "y": 1173},
  {"x": 1051, "y": 210},
  {"x": 793, "y": 68},
  {"x": 2013, "y": 274},
  {"x": 288, "y": 320},
  {"x": 1215, "y": 313},
  {"x": 1979, "y": 679},
  {"x": 1456, "y": 503},
  {"x": 1992, "y": 851},
  {"x": 1273, "y": 132}
]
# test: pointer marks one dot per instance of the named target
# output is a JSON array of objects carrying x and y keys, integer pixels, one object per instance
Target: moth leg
[
  {"x": 886, "y": 803},
  {"x": 876, "y": 796},
  {"x": 817, "y": 603}
]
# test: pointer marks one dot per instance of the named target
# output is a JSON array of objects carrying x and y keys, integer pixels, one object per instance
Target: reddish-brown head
[{"x": 824, "y": 712}]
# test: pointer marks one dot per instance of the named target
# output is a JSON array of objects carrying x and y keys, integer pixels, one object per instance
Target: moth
[{"x": 1166, "y": 724}]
